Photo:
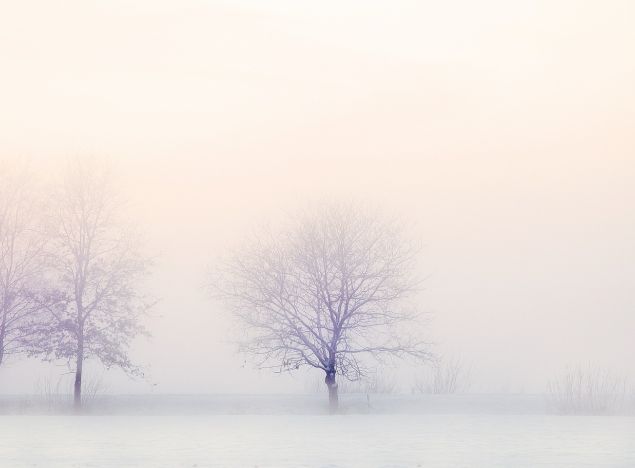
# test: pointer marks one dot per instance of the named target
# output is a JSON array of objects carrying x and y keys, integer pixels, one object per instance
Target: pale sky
[{"x": 503, "y": 130}]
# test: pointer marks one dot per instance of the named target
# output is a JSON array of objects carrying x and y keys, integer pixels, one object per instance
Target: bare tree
[
  {"x": 325, "y": 292},
  {"x": 95, "y": 306},
  {"x": 22, "y": 244}
]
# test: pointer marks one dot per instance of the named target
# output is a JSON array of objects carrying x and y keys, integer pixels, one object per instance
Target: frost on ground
[{"x": 275, "y": 439}]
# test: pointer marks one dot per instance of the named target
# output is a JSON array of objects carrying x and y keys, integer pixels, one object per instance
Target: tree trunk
[
  {"x": 1, "y": 346},
  {"x": 332, "y": 386},
  {"x": 3, "y": 331},
  {"x": 77, "y": 394}
]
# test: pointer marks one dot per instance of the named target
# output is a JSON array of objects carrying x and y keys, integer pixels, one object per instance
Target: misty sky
[{"x": 503, "y": 130}]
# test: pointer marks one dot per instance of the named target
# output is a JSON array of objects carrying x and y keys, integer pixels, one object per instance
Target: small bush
[
  {"x": 375, "y": 383},
  {"x": 445, "y": 376},
  {"x": 55, "y": 396},
  {"x": 587, "y": 390}
]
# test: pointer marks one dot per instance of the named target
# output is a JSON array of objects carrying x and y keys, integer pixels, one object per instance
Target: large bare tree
[
  {"x": 22, "y": 243},
  {"x": 328, "y": 291},
  {"x": 96, "y": 306}
]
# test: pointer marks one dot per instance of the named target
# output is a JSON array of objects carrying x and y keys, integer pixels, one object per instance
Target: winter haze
[{"x": 502, "y": 131}]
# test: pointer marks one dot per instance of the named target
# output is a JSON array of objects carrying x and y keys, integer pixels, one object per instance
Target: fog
[{"x": 502, "y": 132}]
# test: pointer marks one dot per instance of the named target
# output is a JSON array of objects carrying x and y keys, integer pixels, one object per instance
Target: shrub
[
  {"x": 445, "y": 376},
  {"x": 587, "y": 390}
]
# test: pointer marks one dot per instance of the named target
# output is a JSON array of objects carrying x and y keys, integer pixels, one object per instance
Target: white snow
[{"x": 313, "y": 440}]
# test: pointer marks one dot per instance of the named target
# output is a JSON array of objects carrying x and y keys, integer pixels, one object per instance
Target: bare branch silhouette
[{"x": 326, "y": 292}]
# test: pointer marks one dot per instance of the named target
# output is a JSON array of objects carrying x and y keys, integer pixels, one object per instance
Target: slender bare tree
[
  {"x": 325, "y": 292},
  {"x": 95, "y": 307},
  {"x": 22, "y": 242}
]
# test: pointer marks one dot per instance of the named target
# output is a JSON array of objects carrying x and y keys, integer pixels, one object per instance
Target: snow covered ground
[{"x": 290, "y": 438}]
